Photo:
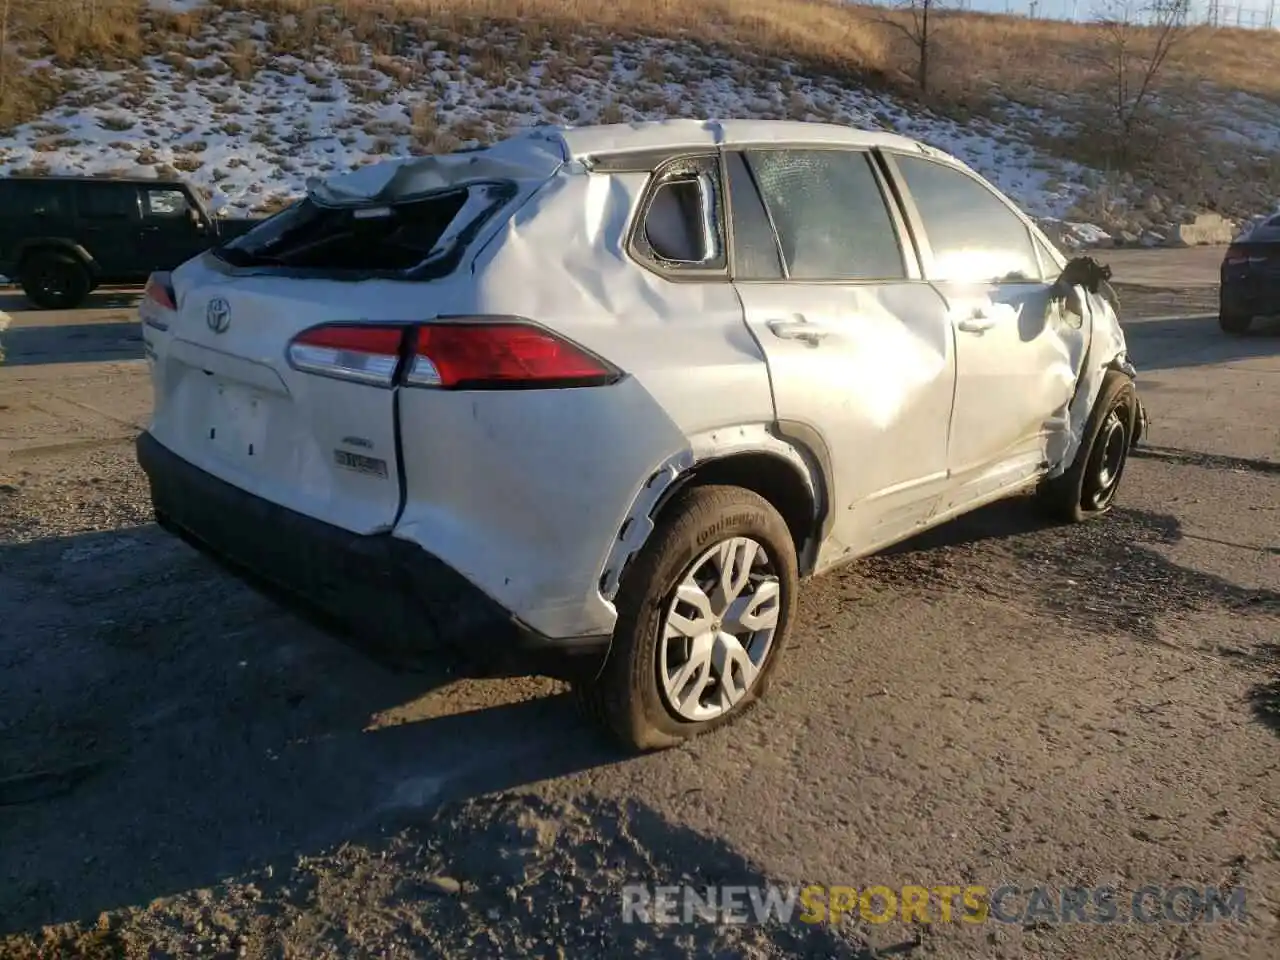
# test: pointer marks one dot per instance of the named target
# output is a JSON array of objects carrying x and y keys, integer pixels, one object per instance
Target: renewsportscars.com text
[{"x": 942, "y": 903}]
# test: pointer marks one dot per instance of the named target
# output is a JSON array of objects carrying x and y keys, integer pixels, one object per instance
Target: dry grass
[
  {"x": 68, "y": 33},
  {"x": 817, "y": 33},
  {"x": 974, "y": 52},
  {"x": 1019, "y": 55}
]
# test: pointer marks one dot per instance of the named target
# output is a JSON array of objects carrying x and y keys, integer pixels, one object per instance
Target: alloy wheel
[{"x": 719, "y": 630}]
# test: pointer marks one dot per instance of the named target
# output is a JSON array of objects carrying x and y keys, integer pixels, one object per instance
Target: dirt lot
[{"x": 187, "y": 767}]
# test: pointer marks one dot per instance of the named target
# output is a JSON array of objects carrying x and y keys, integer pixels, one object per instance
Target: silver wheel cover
[{"x": 719, "y": 629}]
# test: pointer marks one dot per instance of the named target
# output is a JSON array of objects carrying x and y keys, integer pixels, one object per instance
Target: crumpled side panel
[
  {"x": 1106, "y": 348},
  {"x": 494, "y": 479},
  {"x": 561, "y": 260}
]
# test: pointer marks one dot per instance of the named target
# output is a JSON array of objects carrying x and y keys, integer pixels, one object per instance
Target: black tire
[
  {"x": 55, "y": 281},
  {"x": 1084, "y": 492},
  {"x": 1235, "y": 324},
  {"x": 626, "y": 698}
]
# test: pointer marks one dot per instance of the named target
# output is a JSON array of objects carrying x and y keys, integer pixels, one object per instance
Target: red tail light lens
[
  {"x": 159, "y": 291},
  {"x": 476, "y": 355},
  {"x": 458, "y": 354},
  {"x": 1238, "y": 254},
  {"x": 367, "y": 353}
]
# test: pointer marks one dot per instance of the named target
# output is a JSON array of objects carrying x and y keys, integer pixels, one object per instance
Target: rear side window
[
  {"x": 829, "y": 213},
  {"x": 32, "y": 198},
  {"x": 107, "y": 201},
  {"x": 974, "y": 234},
  {"x": 427, "y": 233},
  {"x": 681, "y": 226}
]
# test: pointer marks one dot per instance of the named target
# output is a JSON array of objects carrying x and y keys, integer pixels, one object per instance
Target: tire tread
[{"x": 616, "y": 700}]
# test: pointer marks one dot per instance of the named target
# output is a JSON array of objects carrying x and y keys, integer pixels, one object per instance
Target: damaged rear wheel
[
  {"x": 1089, "y": 486},
  {"x": 703, "y": 615}
]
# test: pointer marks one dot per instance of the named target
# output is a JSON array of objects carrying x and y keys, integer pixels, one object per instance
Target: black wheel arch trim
[
  {"x": 34, "y": 245},
  {"x": 810, "y": 449}
]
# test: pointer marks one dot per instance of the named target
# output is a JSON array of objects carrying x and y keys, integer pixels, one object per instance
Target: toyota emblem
[{"x": 218, "y": 315}]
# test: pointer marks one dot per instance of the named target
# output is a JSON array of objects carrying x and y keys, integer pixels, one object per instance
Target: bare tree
[
  {"x": 1134, "y": 42},
  {"x": 915, "y": 26}
]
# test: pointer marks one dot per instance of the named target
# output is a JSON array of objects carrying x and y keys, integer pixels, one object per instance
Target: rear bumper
[
  {"x": 383, "y": 590},
  {"x": 1251, "y": 295}
]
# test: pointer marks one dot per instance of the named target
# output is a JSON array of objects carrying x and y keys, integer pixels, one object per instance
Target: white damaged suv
[{"x": 591, "y": 402}]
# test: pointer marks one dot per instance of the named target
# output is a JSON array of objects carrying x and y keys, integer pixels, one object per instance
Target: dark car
[
  {"x": 1250, "y": 277},
  {"x": 62, "y": 236}
]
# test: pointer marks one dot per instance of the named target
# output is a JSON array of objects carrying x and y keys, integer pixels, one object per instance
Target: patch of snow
[
  {"x": 1087, "y": 234},
  {"x": 250, "y": 134},
  {"x": 175, "y": 6}
]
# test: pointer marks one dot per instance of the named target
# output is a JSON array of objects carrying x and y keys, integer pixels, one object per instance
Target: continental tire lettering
[{"x": 733, "y": 520}]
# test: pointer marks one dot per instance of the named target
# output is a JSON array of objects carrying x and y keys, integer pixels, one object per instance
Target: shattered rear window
[{"x": 426, "y": 233}]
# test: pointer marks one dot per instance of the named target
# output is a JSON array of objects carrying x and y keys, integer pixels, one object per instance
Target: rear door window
[
  {"x": 107, "y": 201},
  {"x": 32, "y": 198},
  {"x": 756, "y": 254},
  {"x": 1048, "y": 262},
  {"x": 830, "y": 214},
  {"x": 974, "y": 234},
  {"x": 163, "y": 203},
  {"x": 425, "y": 233}
]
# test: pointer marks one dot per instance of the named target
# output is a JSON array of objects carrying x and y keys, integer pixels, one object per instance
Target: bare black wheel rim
[
  {"x": 53, "y": 282},
  {"x": 719, "y": 629},
  {"x": 1111, "y": 448}
]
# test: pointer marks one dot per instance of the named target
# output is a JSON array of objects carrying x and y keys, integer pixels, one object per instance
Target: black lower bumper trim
[
  {"x": 385, "y": 592},
  {"x": 1255, "y": 298}
]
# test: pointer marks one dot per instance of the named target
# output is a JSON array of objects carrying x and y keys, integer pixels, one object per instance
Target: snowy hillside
[{"x": 235, "y": 105}]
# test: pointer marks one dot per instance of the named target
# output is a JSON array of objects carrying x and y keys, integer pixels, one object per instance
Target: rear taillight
[
  {"x": 458, "y": 354},
  {"x": 1239, "y": 254},
  {"x": 484, "y": 354},
  {"x": 160, "y": 291},
  {"x": 369, "y": 354}
]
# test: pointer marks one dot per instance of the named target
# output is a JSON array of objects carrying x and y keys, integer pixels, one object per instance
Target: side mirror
[
  {"x": 1080, "y": 272},
  {"x": 1070, "y": 297}
]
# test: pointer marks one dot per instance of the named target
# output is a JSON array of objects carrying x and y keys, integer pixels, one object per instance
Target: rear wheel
[
  {"x": 703, "y": 615},
  {"x": 1234, "y": 323},
  {"x": 54, "y": 281},
  {"x": 1089, "y": 486}
]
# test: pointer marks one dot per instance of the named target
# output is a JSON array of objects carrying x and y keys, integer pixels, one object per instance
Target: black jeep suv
[{"x": 62, "y": 236}]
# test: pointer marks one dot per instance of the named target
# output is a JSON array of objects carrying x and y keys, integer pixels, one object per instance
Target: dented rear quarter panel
[{"x": 508, "y": 512}]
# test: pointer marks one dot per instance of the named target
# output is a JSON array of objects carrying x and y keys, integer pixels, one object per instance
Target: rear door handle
[{"x": 797, "y": 330}]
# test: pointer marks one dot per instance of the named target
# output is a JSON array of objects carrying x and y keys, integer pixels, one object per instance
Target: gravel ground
[
  {"x": 1145, "y": 301},
  {"x": 189, "y": 768}
]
